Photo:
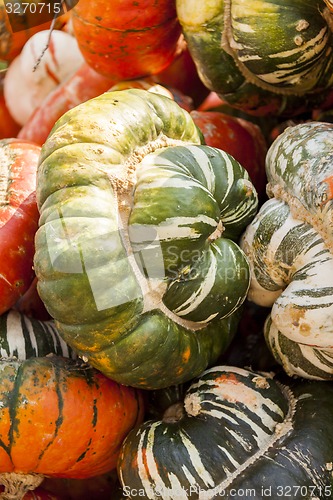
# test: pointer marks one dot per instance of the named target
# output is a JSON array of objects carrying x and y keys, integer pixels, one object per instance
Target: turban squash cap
[
  {"x": 289, "y": 246},
  {"x": 136, "y": 255}
]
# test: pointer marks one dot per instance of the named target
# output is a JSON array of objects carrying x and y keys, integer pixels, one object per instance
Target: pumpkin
[
  {"x": 136, "y": 254},
  {"x": 126, "y": 39},
  {"x": 264, "y": 57},
  {"x": 23, "y": 337},
  {"x": 289, "y": 246},
  {"x": 27, "y": 82},
  {"x": 18, "y": 218},
  {"x": 70, "y": 418},
  {"x": 237, "y": 433}
]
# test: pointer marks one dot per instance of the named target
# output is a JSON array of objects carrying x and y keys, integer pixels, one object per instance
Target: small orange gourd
[{"x": 60, "y": 418}]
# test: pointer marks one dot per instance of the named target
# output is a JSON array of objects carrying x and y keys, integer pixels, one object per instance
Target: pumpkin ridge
[
  {"x": 13, "y": 406},
  {"x": 60, "y": 418}
]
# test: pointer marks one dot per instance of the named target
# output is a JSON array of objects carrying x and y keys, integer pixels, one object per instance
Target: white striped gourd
[
  {"x": 265, "y": 57},
  {"x": 237, "y": 434},
  {"x": 289, "y": 246},
  {"x": 22, "y": 337},
  {"x": 136, "y": 255}
]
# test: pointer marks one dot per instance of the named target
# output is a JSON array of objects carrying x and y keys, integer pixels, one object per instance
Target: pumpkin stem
[
  {"x": 17, "y": 485},
  {"x": 174, "y": 413}
]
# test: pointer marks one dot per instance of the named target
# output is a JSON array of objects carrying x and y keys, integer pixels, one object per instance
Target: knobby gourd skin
[
  {"x": 235, "y": 431},
  {"x": 289, "y": 246},
  {"x": 136, "y": 255},
  {"x": 264, "y": 57}
]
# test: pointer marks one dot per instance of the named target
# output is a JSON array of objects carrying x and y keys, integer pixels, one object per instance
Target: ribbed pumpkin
[
  {"x": 237, "y": 433},
  {"x": 126, "y": 39},
  {"x": 136, "y": 254},
  {"x": 18, "y": 218},
  {"x": 289, "y": 246},
  {"x": 264, "y": 57},
  {"x": 60, "y": 418}
]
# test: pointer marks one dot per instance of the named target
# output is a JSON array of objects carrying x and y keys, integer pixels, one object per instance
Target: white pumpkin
[{"x": 27, "y": 83}]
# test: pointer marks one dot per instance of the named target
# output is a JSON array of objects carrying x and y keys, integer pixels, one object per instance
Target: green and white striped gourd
[
  {"x": 237, "y": 434},
  {"x": 290, "y": 249},
  {"x": 265, "y": 57},
  {"x": 22, "y": 337},
  {"x": 136, "y": 255}
]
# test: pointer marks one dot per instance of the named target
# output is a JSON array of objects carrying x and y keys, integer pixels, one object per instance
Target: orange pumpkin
[
  {"x": 61, "y": 418},
  {"x": 18, "y": 218},
  {"x": 127, "y": 39}
]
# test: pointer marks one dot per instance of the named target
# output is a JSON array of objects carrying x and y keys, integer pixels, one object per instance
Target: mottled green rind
[
  {"x": 264, "y": 32},
  {"x": 156, "y": 353},
  {"x": 219, "y": 446},
  {"x": 84, "y": 275},
  {"x": 301, "y": 458}
]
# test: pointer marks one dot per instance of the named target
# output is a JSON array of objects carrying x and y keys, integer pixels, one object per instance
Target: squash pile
[{"x": 166, "y": 244}]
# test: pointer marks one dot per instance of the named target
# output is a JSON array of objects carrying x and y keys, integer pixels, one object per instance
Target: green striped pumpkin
[
  {"x": 136, "y": 255},
  {"x": 264, "y": 57},
  {"x": 289, "y": 246},
  {"x": 22, "y": 337},
  {"x": 237, "y": 434}
]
